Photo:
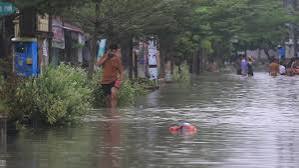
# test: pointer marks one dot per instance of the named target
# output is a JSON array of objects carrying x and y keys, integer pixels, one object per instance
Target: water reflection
[
  {"x": 3, "y": 142},
  {"x": 111, "y": 140}
]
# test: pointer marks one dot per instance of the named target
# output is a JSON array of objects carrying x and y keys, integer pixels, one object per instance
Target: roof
[{"x": 71, "y": 27}]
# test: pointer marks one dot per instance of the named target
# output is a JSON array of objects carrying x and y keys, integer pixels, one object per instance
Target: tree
[
  {"x": 123, "y": 20},
  {"x": 253, "y": 23},
  {"x": 48, "y": 6}
]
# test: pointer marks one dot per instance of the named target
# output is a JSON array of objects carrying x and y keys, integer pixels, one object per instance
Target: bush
[
  {"x": 127, "y": 93},
  {"x": 8, "y": 90},
  {"x": 1, "y": 81},
  {"x": 59, "y": 96},
  {"x": 3, "y": 107},
  {"x": 181, "y": 74},
  {"x": 97, "y": 92}
]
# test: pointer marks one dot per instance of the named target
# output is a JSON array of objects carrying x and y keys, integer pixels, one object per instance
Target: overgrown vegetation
[
  {"x": 3, "y": 107},
  {"x": 181, "y": 74},
  {"x": 192, "y": 30},
  {"x": 60, "y": 95},
  {"x": 127, "y": 93}
]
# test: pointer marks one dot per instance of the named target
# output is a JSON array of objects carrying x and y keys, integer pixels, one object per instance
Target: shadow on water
[
  {"x": 243, "y": 122},
  {"x": 111, "y": 140}
]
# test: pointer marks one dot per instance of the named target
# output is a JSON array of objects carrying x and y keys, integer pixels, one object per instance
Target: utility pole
[{"x": 295, "y": 31}]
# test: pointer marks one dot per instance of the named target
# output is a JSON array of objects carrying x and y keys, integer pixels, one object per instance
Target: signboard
[
  {"x": 7, "y": 8},
  {"x": 43, "y": 23},
  {"x": 58, "y": 34},
  {"x": 101, "y": 50}
]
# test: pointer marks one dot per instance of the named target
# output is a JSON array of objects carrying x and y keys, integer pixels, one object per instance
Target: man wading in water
[{"x": 112, "y": 74}]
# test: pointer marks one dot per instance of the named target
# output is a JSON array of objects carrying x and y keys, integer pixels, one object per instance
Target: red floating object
[{"x": 183, "y": 128}]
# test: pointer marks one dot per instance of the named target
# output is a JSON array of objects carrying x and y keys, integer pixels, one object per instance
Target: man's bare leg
[
  {"x": 108, "y": 101},
  {"x": 114, "y": 97}
]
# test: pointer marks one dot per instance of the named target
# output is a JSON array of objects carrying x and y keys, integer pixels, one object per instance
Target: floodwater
[{"x": 243, "y": 123}]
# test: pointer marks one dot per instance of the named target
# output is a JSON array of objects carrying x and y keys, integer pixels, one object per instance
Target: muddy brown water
[{"x": 243, "y": 123}]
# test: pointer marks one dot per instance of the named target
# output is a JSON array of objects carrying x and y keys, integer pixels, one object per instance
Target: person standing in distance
[
  {"x": 244, "y": 66},
  {"x": 112, "y": 74},
  {"x": 274, "y": 67}
]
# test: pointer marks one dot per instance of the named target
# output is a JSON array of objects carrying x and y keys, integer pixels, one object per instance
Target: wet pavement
[{"x": 243, "y": 122}]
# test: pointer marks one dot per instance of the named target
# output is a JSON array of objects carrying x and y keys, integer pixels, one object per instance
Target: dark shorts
[
  {"x": 152, "y": 66},
  {"x": 107, "y": 88}
]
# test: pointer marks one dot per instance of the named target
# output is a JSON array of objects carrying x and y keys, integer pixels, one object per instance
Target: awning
[{"x": 71, "y": 27}]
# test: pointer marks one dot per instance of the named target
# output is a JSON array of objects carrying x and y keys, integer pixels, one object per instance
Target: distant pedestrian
[
  {"x": 237, "y": 65},
  {"x": 282, "y": 69},
  {"x": 295, "y": 66},
  {"x": 289, "y": 66},
  {"x": 274, "y": 68},
  {"x": 153, "y": 61},
  {"x": 112, "y": 74},
  {"x": 281, "y": 52},
  {"x": 250, "y": 66},
  {"x": 244, "y": 66}
]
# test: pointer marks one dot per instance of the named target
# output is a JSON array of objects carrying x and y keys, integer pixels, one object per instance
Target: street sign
[{"x": 7, "y": 8}]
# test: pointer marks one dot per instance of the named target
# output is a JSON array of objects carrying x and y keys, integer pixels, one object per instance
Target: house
[{"x": 57, "y": 41}]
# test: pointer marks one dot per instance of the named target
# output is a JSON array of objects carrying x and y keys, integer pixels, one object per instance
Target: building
[
  {"x": 57, "y": 41},
  {"x": 33, "y": 27}
]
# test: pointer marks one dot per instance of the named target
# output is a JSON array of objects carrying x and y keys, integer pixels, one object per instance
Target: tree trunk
[
  {"x": 4, "y": 40},
  {"x": 266, "y": 50},
  {"x": 196, "y": 62},
  {"x": 7, "y": 33},
  {"x": 201, "y": 61},
  {"x": 94, "y": 41},
  {"x": 135, "y": 63},
  {"x": 172, "y": 65},
  {"x": 295, "y": 43},
  {"x": 259, "y": 54},
  {"x": 163, "y": 55},
  {"x": 130, "y": 56}
]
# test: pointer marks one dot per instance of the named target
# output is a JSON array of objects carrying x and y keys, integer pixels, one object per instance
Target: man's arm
[{"x": 102, "y": 60}]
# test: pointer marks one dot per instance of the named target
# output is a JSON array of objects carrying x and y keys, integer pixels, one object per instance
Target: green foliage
[
  {"x": 184, "y": 27},
  {"x": 255, "y": 24},
  {"x": 119, "y": 19},
  {"x": 3, "y": 107},
  {"x": 47, "y": 6},
  {"x": 9, "y": 100},
  {"x": 59, "y": 96},
  {"x": 207, "y": 45},
  {"x": 181, "y": 74},
  {"x": 143, "y": 85},
  {"x": 126, "y": 95},
  {"x": 2, "y": 82},
  {"x": 97, "y": 92},
  {"x": 186, "y": 45}
]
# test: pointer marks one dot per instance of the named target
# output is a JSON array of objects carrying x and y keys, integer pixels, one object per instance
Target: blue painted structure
[{"x": 26, "y": 58}]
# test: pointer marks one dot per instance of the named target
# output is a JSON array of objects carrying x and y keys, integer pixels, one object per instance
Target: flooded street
[{"x": 243, "y": 122}]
